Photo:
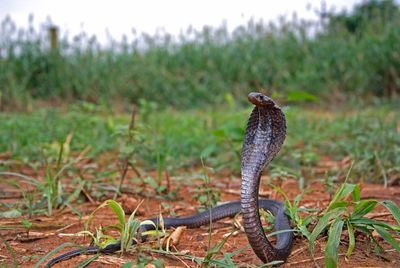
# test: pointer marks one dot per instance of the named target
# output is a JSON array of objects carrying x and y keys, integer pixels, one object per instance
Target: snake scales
[{"x": 264, "y": 136}]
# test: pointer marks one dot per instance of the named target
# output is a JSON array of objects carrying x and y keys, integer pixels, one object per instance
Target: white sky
[{"x": 119, "y": 16}]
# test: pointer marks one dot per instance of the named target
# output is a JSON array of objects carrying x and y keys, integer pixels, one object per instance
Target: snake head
[{"x": 260, "y": 99}]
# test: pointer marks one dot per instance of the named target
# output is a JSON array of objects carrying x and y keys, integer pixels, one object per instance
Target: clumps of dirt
[{"x": 48, "y": 233}]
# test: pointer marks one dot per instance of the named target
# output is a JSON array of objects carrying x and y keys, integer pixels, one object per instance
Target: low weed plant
[{"x": 351, "y": 214}]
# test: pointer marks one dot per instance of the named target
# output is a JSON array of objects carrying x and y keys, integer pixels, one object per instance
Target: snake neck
[
  {"x": 264, "y": 136},
  {"x": 251, "y": 219}
]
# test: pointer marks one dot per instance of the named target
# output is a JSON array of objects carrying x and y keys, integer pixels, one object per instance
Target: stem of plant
[
  {"x": 59, "y": 159},
  {"x": 385, "y": 179},
  {"x": 125, "y": 163}
]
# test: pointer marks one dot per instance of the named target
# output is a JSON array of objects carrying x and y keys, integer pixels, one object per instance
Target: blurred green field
[
  {"x": 348, "y": 57},
  {"x": 369, "y": 137}
]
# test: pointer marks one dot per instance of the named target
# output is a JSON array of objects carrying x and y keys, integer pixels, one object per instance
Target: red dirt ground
[{"x": 50, "y": 232}]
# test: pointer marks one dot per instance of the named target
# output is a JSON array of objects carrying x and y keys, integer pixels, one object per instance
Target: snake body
[
  {"x": 264, "y": 136},
  {"x": 263, "y": 139}
]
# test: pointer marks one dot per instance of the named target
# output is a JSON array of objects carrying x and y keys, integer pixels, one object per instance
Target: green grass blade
[
  {"x": 228, "y": 259},
  {"x": 280, "y": 231},
  {"x": 284, "y": 195},
  {"x": 331, "y": 250},
  {"x": 378, "y": 250},
  {"x": 362, "y": 208},
  {"x": 387, "y": 236},
  {"x": 59, "y": 159},
  {"x": 128, "y": 265},
  {"x": 339, "y": 204},
  {"x": 239, "y": 250},
  {"x": 88, "y": 261},
  {"x": 133, "y": 226},
  {"x": 344, "y": 190},
  {"x": 390, "y": 205},
  {"x": 362, "y": 228},
  {"x": 356, "y": 193},
  {"x": 114, "y": 206},
  {"x": 272, "y": 263},
  {"x": 370, "y": 222},
  {"x": 30, "y": 180},
  {"x": 301, "y": 95},
  {"x": 11, "y": 250},
  {"x": 118, "y": 227},
  {"x": 352, "y": 241},
  {"x": 324, "y": 221},
  {"x": 76, "y": 192},
  {"x": 51, "y": 253},
  {"x": 73, "y": 209},
  {"x": 322, "y": 224}
]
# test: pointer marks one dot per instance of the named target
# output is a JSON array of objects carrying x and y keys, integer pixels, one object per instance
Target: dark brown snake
[{"x": 264, "y": 136}]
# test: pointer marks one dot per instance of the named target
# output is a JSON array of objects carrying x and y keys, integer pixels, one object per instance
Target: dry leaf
[{"x": 173, "y": 239}]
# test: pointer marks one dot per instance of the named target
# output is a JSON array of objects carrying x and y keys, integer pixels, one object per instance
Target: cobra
[{"x": 264, "y": 136}]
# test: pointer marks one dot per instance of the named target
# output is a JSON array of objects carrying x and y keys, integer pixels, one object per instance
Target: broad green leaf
[
  {"x": 352, "y": 241},
  {"x": 387, "y": 236},
  {"x": 154, "y": 233},
  {"x": 108, "y": 240},
  {"x": 363, "y": 228},
  {"x": 301, "y": 95},
  {"x": 118, "y": 210},
  {"x": 331, "y": 250},
  {"x": 378, "y": 250},
  {"x": 133, "y": 228},
  {"x": 303, "y": 229},
  {"x": 148, "y": 222},
  {"x": 344, "y": 190},
  {"x": 393, "y": 208},
  {"x": 151, "y": 182},
  {"x": 219, "y": 133},
  {"x": 339, "y": 204},
  {"x": 322, "y": 224},
  {"x": 362, "y": 208},
  {"x": 118, "y": 227},
  {"x": 134, "y": 212},
  {"x": 128, "y": 265},
  {"x": 370, "y": 223},
  {"x": 209, "y": 150},
  {"x": 26, "y": 223},
  {"x": 114, "y": 206},
  {"x": 85, "y": 233},
  {"x": 356, "y": 193}
]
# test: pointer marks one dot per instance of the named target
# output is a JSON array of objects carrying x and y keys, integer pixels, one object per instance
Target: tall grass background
[{"x": 349, "y": 56}]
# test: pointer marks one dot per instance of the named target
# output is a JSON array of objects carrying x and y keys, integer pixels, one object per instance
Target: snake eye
[{"x": 261, "y": 97}]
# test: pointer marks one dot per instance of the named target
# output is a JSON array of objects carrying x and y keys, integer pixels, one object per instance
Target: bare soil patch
[{"x": 48, "y": 233}]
